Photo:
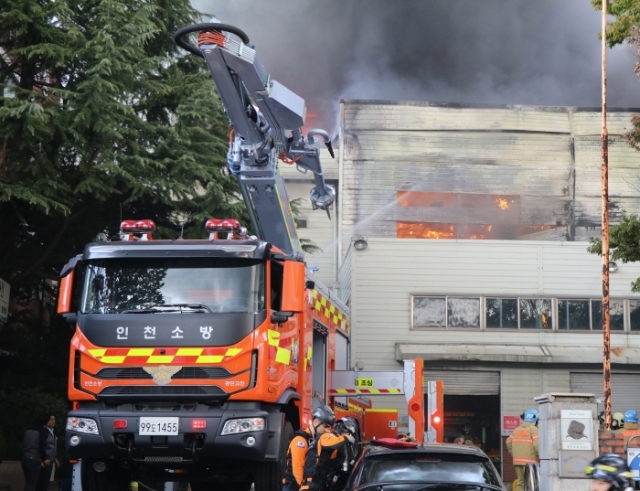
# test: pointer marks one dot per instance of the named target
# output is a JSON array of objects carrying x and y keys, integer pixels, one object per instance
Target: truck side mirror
[
  {"x": 293, "y": 287},
  {"x": 66, "y": 305},
  {"x": 65, "y": 294}
]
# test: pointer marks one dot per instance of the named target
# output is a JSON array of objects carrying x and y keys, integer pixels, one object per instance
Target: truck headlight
[
  {"x": 83, "y": 425},
  {"x": 243, "y": 425}
]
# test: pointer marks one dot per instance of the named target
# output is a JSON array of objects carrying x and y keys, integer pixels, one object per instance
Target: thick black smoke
[{"x": 539, "y": 52}]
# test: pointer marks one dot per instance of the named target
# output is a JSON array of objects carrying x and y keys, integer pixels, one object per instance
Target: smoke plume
[{"x": 542, "y": 52}]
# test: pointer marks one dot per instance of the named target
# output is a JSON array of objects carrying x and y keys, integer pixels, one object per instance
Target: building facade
[{"x": 505, "y": 305}]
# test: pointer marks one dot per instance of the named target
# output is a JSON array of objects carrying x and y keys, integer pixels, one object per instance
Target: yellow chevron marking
[
  {"x": 140, "y": 352},
  {"x": 232, "y": 352},
  {"x": 160, "y": 359},
  {"x": 112, "y": 359},
  {"x": 97, "y": 352},
  {"x": 283, "y": 356},
  {"x": 210, "y": 359},
  {"x": 189, "y": 351}
]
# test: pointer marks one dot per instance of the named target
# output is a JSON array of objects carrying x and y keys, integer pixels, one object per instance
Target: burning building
[{"x": 472, "y": 226}]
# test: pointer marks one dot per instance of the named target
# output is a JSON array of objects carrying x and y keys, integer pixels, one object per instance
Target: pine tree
[
  {"x": 102, "y": 117},
  {"x": 102, "y": 111}
]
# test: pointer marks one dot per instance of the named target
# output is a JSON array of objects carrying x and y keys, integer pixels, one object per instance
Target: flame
[
  {"x": 503, "y": 204},
  {"x": 418, "y": 230}
]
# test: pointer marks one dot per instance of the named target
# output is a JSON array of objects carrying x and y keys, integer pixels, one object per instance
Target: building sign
[
  {"x": 573, "y": 463},
  {"x": 509, "y": 423},
  {"x": 576, "y": 429},
  {"x": 4, "y": 301}
]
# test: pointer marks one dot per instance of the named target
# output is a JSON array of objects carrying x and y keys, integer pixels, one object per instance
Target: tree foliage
[
  {"x": 102, "y": 118},
  {"x": 625, "y": 28},
  {"x": 624, "y": 244}
]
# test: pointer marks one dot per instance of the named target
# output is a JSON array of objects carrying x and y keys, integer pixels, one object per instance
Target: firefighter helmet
[
  {"x": 531, "y": 416},
  {"x": 610, "y": 468},
  {"x": 324, "y": 414},
  {"x": 617, "y": 421},
  {"x": 630, "y": 416},
  {"x": 347, "y": 425}
]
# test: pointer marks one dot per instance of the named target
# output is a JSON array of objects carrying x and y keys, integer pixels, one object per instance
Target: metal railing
[{"x": 532, "y": 477}]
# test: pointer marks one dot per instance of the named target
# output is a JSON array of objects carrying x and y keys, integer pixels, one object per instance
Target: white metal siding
[
  {"x": 519, "y": 386},
  {"x": 342, "y": 352},
  {"x": 319, "y": 229},
  {"x": 625, "y": 388},
  {"x": 465, "y": 382}
]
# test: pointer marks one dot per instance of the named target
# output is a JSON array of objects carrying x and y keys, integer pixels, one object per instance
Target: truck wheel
[
  {"x": 269, "y": 475},
  {"x": 108, "y": 480}
]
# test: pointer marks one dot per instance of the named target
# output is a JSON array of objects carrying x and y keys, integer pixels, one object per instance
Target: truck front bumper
[{"x": 194, "y": 441}]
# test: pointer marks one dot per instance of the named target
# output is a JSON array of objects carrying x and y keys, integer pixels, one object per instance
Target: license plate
[{"x": 158, "y": 426}]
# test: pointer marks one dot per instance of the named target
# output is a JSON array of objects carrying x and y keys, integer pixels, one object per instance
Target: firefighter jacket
[
  {"x": 321, "y": 468},
  {"x": 523, "y": 444},
  {"x": 296, "y": 456}
]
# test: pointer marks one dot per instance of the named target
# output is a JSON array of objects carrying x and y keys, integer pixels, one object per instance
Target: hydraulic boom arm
[{"x": 267, "y": 120}]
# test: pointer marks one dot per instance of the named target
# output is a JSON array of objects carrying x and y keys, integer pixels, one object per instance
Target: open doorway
[{"x": 476, "y": 418}]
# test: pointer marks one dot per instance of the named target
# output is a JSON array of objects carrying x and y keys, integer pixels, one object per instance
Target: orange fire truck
[{"x": 195, "y": 360}]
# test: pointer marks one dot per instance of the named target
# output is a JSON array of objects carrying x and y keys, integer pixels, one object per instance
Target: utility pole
[{"x": 606, "y": 321}]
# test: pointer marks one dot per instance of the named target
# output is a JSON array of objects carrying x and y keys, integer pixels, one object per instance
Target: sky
[{"x": 521, "y": 52}]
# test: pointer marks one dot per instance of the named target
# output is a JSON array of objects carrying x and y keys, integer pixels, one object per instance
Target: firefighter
[
  {"x": 323, "y": 419},
  {"x": 334, "y": 458},
  {"x": 609, "y": 473},
  {"x": 630, "y": 420},
  {"x": 523, "y": 444}
]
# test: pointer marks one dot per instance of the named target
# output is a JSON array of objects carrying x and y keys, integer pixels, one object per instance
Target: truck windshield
[{"x": 186, "y": 285}]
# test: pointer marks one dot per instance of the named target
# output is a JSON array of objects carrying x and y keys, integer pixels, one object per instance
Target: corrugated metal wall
[{"x": 547, "y": 156}]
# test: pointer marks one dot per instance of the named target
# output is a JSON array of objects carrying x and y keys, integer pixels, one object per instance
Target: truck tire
[
  {"x": 108, "y": 480},
  {"x": 269, "y": 475}
]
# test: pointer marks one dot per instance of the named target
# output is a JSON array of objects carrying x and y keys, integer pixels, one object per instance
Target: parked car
[{"x": 428, "y": 467}]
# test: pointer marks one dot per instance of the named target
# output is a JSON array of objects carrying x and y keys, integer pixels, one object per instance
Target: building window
[
  {"x": 446, "y": 312},
  {"x": 634, "y": 315},
  {"x": 535, "y": 313},
  {"x": 573, "y": 314},
  {"x": 616, "y": 314},
  {"x": 463, "y": 312},
  {"x": 502, "y": 313},
  {"x": 429, "y": 312}
]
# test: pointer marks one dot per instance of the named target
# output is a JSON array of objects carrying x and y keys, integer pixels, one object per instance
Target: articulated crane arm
[{"x": 267, "y": 120}]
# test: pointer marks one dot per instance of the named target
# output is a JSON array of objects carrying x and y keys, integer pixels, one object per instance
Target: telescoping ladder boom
[{"x": 267, "y": 120}]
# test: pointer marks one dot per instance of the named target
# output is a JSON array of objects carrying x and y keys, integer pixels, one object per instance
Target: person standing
[
  {"x": 323, "y": 472},
  {"x": 48, "y": 443},
  {"x": 303, "y": 443},
  {"x": 31, "y": 457},
  {"x": 523, "y": 444}
]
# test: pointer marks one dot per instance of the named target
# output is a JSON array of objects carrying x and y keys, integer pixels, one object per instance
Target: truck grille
[
  {"x": 185, "y": 372},
  {"x": 164, "y": 390}
]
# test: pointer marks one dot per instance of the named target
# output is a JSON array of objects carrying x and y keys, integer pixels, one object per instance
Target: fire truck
[{"x": 196, "y": 360}]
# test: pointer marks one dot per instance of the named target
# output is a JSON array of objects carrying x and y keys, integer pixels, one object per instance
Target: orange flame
[{"x": 503, "y": 204}]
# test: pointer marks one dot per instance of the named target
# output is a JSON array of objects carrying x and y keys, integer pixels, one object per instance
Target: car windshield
[
  {"x": 170, "y": 285},
  {"x": 439, "y": 468}
]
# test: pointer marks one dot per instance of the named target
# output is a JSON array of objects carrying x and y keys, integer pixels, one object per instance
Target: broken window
[
  {"x": 535, "y": 313},
  {"x": 573, "y": 314},
  {"x": 463, "y": 312},
  {"x": 634, "y": 315},
  {"x": 616, "y": 315},
  {"x": 429, "y": 312},
  {"x": 502, "y": 313}
]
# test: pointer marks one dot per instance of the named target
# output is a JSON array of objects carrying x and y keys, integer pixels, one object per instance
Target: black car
[{"x": 428, "y": 467}]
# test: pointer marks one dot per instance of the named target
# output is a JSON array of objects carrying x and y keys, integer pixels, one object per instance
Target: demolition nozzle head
[{"x": 330, "y": 148}]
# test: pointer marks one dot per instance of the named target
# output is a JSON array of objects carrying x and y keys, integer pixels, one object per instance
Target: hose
[{"x": 206, "y": 26}]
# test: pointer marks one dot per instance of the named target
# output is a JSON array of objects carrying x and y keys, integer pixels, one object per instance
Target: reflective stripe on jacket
[
  {"x": 296, "y": 455},
  {"x": 523, "y": 444}
]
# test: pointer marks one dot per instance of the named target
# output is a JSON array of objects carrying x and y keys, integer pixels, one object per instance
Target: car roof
[{"x": 428, "y": 448}]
